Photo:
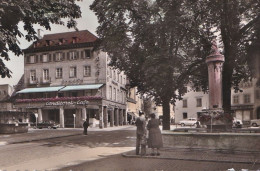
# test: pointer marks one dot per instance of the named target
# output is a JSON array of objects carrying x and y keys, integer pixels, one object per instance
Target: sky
[{"x": 16, "y": 64}]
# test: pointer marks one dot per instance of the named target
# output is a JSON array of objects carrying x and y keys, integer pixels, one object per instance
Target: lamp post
[
  {"x": 74, "y": 115},
  {"x": 36, "y": 116}
]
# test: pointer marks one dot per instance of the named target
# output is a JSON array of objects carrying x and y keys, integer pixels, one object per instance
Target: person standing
[
  {"x": 85, "y": 126},
  {"x": 155, "y": 136},
  {"x": 141, "y": 134}
]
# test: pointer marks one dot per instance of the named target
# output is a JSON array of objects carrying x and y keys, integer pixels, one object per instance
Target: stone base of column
[{"x": 217, "y": 121}]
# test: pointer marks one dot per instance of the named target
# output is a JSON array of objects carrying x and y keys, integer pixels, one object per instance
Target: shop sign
[{"x": 63, "y": 103}]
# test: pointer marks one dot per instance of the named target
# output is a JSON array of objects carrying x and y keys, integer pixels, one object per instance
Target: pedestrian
[
  {"x": 141, "y": 134},
  {"x": 85, "y": 126},
  {"x": 155, "y": 136}
]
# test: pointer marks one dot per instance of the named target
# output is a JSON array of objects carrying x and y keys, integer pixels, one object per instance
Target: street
[{"x": 98, "y": 151}]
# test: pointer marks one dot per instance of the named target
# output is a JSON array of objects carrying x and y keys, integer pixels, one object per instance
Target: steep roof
[{"x": 66, "y": 38}]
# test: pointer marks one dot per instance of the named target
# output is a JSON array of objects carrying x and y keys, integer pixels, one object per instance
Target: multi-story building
[
  {"x": 6, "y": 92},
  {"x": 67, "y": 80},
  {"x": 134, "y": 104},
  {"x": 192, "y": 105}
]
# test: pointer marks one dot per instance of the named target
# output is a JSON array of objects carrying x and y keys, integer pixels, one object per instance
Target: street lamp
[
  {"x": 74, "y": 115},
  {"x": 36, "y": 116}
]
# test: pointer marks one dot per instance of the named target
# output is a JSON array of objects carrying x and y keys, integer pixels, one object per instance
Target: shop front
[{"x": 72, "y": 113}]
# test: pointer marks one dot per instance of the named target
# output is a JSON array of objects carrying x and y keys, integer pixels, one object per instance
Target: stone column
[
  {"x": 84, "y": 113},
  {"x": 62, "y": 125},
  {"x": 112, "y": 117},
  {"x": 39, "y": 115},
  {"x": 105, "y": 116},
  {"x": 215, "y": 62},
  {"x": 101, "y": 124},
  {"x": 125, "y": 117},
  {"x": 116, "y": 117}
]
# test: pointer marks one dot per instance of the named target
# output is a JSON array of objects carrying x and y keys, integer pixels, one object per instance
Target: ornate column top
[{"x": 215, "y": 55}]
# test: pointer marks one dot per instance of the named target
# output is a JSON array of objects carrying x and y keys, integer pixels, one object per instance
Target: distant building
[
  {"x": 67, "y": 80},
  {"x": 192, "y": 105},
  {"x": 6, "y": 92},
  {"x": 134, "y": 105}
]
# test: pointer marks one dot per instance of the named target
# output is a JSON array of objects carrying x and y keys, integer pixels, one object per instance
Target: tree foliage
[
  {"x": 162, "y": 44},
  {"x": 151, "y": 41},
  {"x": 30, "y": 12}
]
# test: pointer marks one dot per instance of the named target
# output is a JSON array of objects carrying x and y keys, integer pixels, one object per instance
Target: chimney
[{"x": 39, "y": 33}]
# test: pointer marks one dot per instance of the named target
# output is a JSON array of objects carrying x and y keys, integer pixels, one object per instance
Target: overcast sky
[{"x": 16, "y": 64}]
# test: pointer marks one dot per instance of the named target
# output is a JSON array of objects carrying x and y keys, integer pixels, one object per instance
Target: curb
[
  {"x": 40, "y": 139},
  {"x": 198, "y": 160}
]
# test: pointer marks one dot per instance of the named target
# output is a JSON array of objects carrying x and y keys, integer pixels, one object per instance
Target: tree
[
  {"x": 237, "y": 24},
  {"x": 30, "y": 12},
  {"x": 151, "y": 42}
]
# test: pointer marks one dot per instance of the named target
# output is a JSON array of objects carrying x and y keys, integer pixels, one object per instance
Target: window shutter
[
  {"x": 63, "y": 56},
  {"x": 49, "y": 57},
  {"x": 28, "y": 59},
  {"x": 40, "y": 58},
  {"x": 54, "y": 57},
  {"x": 68, "y": 55},
  {"x": 82, "y": 54}
]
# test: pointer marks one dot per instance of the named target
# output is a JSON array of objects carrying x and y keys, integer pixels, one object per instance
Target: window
[
  {"x": 236, "y": 99},
  {"x": 45, "y": 58},
  {"x": 33, "y": 75},
  {"x": 87, "y": 53},
  {"x": 87, "y": 71},
  {"x": 32, "y": 59},
  {"x": 199, "y": 102},
  {"x": 60, "y": 95},
  {"x": 110, "y": 92},
  {"x": 257, "y": 93},
  {"x": 58, "y": 72},
  {"x": 72, "y": 55},
  {"x": 184, "y": 115},
  {"x": 74, "y": 94},
  {"x": 73, "y": 72},
  {"x": 46, "y": 74},
  {"x": 114, "y": 75},
  {"x": 58, "y": 56},
  {"x": 246, "y": 98},
  {"x": 185, "y": 103}
]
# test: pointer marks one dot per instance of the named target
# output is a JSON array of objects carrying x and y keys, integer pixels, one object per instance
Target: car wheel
[
  {"x": 182, "y": 124},
  {"x": 49, "y": 127},
  {"x": 254, "y": 125}
]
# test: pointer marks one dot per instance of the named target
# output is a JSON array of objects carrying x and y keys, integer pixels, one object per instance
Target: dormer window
[
  {"x": 61, "y": 41},
  {"x": 48, "y": 42},
  {"x": 74, "y": 40}
]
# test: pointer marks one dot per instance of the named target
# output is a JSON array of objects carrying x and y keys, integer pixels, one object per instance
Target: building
[
  {"x": 191, "y": 106},
  {"x": 67, "y": 80},
  {"x": 134, "y": 105},
  {"x": 6, "y": 92}
]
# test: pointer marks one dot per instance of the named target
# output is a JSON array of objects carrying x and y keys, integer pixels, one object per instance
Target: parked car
[
  {"x": 48, "y": 124},
  {"x": 237, "y": 123},
  {"x": 189, "y": 121},
  {"x": 255, "y": 122}
]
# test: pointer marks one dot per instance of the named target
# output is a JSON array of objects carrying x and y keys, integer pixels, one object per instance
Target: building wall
[{"x": 191, "y": 110}]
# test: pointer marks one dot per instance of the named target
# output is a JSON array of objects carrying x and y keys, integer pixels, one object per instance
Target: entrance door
[
  {"x": 54, "y": 115},
  {"x": 68, "y": 118},
  {"x": 258, "y": 113}
]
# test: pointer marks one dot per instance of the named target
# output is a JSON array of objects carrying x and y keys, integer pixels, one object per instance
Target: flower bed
[{"x": 54, "y": 99}]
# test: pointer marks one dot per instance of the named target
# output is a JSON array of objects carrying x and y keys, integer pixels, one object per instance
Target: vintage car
[
  {"x": 189, "y": 121},
  {"x": 46, "y": 124},
  {"x": 237, "y": 123},
  {"x": 255, "y": 122}
]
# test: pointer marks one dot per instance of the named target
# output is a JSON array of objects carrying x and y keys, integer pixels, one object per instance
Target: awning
[
  {"x": 41, "y": 89},
  {"x": 82, "y": 87}
]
